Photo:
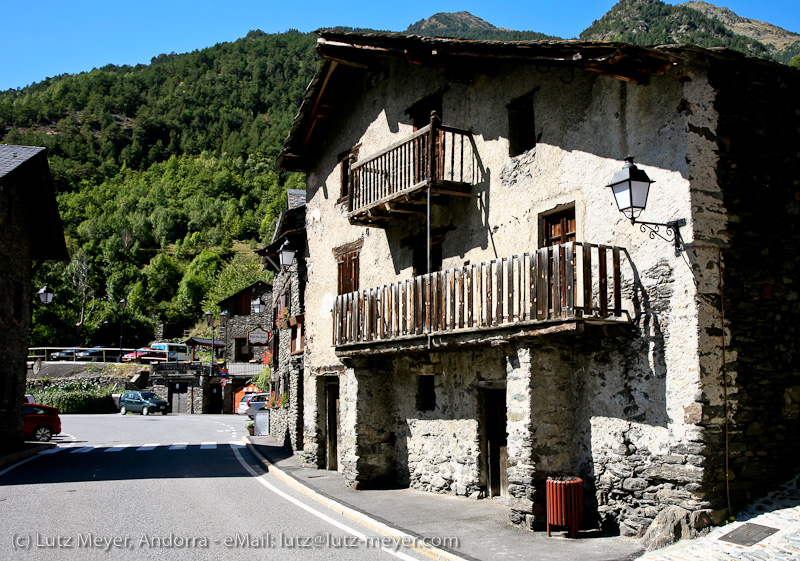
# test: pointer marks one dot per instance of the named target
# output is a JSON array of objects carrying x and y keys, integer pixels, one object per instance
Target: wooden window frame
[
  {"x": 347, "y": 265},
  {"x": 344, "y": 172}
]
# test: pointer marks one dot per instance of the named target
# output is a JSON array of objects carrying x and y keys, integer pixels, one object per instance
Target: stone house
[
  {"x": 288, "y": 337},
  {"x": 30, "y": 233},
  {"x": 249, "y": 311},
  {"x": 481, "y": 314}
]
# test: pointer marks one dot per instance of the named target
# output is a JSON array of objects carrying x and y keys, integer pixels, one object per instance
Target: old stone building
[
  {"x": 284, "y": 256},
  {"x": 481, "y": 315},
  {"x": 30, "y": 233},
  {"x": 245, "y": 333}
]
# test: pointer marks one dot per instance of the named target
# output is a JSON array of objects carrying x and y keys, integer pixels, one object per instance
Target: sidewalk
[{"x": 480, "y": 528}]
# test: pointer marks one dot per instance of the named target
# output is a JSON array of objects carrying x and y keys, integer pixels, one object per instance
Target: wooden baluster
[
  {"x": 603, "y": 279},
  {"x": 470, "y": 302},
  {"x": 479, "y": 292},
  {"x": 510, "y": 290},
  {"x": 542, "y": 284},
  {"x": 617, "y": 282},
  {"x": 569, "y": 280},
  {"x": 556, "y": 249},
  {"x": 498, "y": 316},
  {"x": 489, "y": 309},
  {"x": 587, "y": 279}
]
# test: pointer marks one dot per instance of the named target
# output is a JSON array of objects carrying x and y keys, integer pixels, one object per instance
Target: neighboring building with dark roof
[
  {"x": 288, "y": 309},
  {"x": 481, "y": 316},
  {"x": 30, "y": 233}
]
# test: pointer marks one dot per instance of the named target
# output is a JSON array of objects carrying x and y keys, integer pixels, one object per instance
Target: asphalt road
[{"x": 166, "y": 487}]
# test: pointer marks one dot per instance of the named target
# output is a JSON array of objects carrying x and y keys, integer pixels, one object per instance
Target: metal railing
[{"x": 561, "y": 282}]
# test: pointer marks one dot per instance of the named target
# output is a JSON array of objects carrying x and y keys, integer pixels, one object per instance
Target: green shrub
[{"x": 77, "y": 397}]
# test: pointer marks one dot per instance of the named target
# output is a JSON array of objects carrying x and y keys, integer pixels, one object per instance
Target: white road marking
[
  {"x": 82, "y": 450},
  {"x": 318, "y": 514},
  {"x": 208, "y": 445},
  {"x": 117, "y": 448},
  {"x": 179, "y": 446},
  {"x": 146, "y": 447}
]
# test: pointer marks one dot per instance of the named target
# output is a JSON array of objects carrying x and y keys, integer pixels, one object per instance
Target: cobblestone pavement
[{"x": 780, "y": 510}]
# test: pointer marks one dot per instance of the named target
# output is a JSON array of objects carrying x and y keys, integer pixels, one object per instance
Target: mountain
[
  {"x": 652, "y": 22},
  {"x": 782, "y": 44},
  {"x": 464, "y": 25}
]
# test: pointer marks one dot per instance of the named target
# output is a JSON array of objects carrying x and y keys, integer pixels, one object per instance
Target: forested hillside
[{"x": 154, "y": 165}]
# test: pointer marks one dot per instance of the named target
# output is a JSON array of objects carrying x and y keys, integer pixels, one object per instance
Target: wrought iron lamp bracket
[{"x": 672, "y": 232}]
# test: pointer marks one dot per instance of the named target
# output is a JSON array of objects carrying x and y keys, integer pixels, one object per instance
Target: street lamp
[
  {"x": 630, "y": 187},
  {"x": 210, "y": 323},
  {"x": 224, "y": 316},
  {"x": 45, "y": 295},
  {"x": 258, "y": 306},
  {"x": 122, "y": 304},
  {"x": 286, "y": 254}
]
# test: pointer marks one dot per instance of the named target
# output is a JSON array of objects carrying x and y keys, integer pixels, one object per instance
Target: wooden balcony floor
[{"x": 409, "y": 202}]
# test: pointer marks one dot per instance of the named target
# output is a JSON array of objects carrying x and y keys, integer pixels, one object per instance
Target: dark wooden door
[
  {"x": 332, "y": 424},
  {"x": 215, "y": 399},
  {"x": 496, "y": 454},
  {"x": 558, "y": 228}
]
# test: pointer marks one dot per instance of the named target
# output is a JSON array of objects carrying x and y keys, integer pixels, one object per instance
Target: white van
[{"x": 172, "y": 351}]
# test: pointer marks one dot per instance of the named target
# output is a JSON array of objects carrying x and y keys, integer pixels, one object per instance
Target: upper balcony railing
[
  {"x": 563, "y": 282},
  {"x": 433, "y": 155}
]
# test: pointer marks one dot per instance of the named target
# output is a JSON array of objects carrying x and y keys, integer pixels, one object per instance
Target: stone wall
[
  {"x": 754, "y": 377},
  {"x": 286, "y": 424},
  {"x": 16, "y": 296}
]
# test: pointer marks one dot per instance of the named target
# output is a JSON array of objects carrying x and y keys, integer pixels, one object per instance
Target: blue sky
[{"x": 60, "y": 36}]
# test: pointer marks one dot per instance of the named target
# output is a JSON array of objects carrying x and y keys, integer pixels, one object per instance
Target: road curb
[
  {"x": 398, "y": 536},
  {"x": 12, "y": 459}
]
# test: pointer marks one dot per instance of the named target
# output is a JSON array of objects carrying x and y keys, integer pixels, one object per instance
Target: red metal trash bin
[{"x": 564, "y": 503}]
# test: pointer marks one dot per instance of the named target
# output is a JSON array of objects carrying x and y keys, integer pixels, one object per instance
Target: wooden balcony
[
  {"x": 394, "y": 182},
  {"x": 555, "y": 288}
]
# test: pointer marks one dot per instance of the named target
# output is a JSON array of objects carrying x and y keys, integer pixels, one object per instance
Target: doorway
[
  {"x": 215, "y": 399},
  {"x": 332, "y": 423},
  {"x": 495, "y": 444},
  {"x": 178, "y": 392}
]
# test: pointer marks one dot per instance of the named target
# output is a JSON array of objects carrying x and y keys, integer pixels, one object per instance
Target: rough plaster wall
[{"x": 587, "y": 126}]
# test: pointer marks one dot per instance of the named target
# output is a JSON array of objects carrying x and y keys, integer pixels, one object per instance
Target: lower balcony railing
[{"x": 562, "y": 282}]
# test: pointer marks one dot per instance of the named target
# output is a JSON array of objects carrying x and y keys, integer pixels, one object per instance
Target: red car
[
  {"x": 145, "y": 354},
  {"x": 41, "y": 422}
]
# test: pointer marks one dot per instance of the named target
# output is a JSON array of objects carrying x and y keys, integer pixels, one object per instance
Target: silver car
[{"x": 255, "y": 401}]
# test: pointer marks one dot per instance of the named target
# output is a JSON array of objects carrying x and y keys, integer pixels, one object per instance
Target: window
[
  {"x": 242, "y": 304},
  {"x": 242, "y": 351},
  {"x": 426, "y": 393},
  {"x": 521, "y": 125},
  {"x": 347, "y": 266},
  {"x": 558, "y": 227},
  {"x": 298, "y": 335},
  {"x": 344, "y": 169},
  {"x": 420, "y": 258}
]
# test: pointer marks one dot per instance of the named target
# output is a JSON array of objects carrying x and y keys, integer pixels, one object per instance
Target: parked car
[
  {"x": 172, "y": 351},
  {"x": 141, "y": 355},
  {"x": 256, "y": 402},
  {"x": 66, "y": 354},
  {"x": 142, "y": 402},
  {"x": 96, "y": 353},
  {"x": 40, "y": 422},
  {"x": 29, "y": 398},
  {"x": 244, "y": 403}
]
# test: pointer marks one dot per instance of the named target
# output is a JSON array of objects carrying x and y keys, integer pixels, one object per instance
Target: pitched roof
[
  {"x": 348, "y": 55},
  {"x": 11, "y": 156},
  {"x": 26, "y": 168}
]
